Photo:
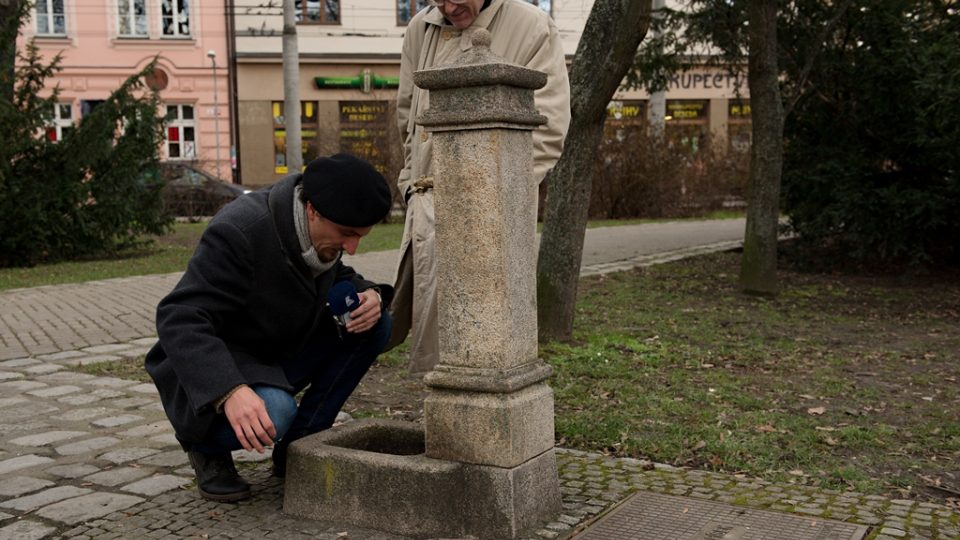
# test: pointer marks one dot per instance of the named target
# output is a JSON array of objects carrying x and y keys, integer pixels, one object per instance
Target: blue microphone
[{"x": 342, "y": 299}]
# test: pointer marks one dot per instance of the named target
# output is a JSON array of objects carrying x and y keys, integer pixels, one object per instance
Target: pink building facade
[{"x": 105, "y": 41}]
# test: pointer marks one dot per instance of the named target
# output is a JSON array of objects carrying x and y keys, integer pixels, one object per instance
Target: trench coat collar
[
  {"x": 483, "y": 20},
  {"x": 281, "y": 210}
]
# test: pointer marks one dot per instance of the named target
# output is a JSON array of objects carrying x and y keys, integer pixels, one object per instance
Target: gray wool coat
[{"x": 246, "y": 302}]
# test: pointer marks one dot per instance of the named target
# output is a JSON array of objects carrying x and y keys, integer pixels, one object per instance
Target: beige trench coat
[{"x": 522, "y": 34}]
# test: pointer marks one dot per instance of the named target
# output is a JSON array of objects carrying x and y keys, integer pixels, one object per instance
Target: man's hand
[
  {"x": 367, "y": 314},
  {"x": 249, "y": 419}
]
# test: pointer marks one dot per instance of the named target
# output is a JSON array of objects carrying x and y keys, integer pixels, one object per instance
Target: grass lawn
[
  {"x": 842, "y": 381},
  {"x": 170, "y": 253}
]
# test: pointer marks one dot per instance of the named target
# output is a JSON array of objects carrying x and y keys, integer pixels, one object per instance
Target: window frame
[
  {"x": 131, "y": 19},
  {"x": 49, "y": 15},
  {"x": 181, "y": 124},
  {"x": 174, "y": 23},
  {"x": 413, "y": 8},
  {"x": 58, "y": 122},
  {"x": 301, "y": 13}
]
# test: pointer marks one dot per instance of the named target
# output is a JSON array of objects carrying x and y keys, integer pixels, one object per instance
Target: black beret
[{"x": 347, "y": 190}]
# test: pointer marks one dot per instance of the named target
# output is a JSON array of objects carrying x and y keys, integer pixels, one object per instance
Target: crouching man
[{"x": 249, "y": 327}]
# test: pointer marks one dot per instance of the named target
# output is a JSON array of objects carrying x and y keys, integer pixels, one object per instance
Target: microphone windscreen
[{"x": 343, "y": 298}]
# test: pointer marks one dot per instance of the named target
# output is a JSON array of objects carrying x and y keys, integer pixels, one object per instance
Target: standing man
[
  {"x": 248, "y": 326},
  {"x": 521, "y": 33}
]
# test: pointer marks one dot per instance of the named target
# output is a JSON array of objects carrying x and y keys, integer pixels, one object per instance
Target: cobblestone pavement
[{"x": 83, "y": 456}]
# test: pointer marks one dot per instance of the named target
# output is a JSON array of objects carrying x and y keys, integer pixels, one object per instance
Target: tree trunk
[
  {"x": 758, "y": 270},
  {"x": 9, "y": 22},
  {"x": 606, "y": 50},
  {"x": 291, "y": 88}
]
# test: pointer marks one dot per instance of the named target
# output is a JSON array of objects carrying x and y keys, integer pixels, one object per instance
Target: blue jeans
[{"x": 329, "y": 370}]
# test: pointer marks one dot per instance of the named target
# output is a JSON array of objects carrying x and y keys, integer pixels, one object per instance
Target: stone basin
[{"x": 375, "y": 474}]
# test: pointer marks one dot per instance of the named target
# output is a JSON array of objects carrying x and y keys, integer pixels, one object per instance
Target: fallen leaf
[
  {"x": 825, "y": 428},
  {"x": 766, "y": 428},
  {"x": 807, "y": 396},
  {"x": 816, "y": 410},
  {"x": 796, "y": 472}
]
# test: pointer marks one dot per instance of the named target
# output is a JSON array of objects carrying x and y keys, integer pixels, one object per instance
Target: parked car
[{"x": 191, "y": 192}]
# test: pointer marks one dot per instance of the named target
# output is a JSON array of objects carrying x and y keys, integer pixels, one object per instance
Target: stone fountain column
[
  {"x": 489, "y": 405},
  {"x": 483, "y": 464}
]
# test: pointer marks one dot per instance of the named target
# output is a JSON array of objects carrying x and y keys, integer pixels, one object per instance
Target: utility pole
[
  {"x": 657, "y": 111},
  {"x": 291, "y": 88},
  {"x": 212, "y": 54}
]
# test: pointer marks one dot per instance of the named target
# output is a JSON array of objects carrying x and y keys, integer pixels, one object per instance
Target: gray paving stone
[
  {"x": 145, "y": 342},
  {"x": 124, "y": 455},
  {"x": 65, "y": 377},
  {"x": 43, "y": 368},
  {"x": 54, "y": 391},
  {"x": 18, "y": 362},
  {"x": 84, "y": 414},
  {"x": 25, "y": 530},
  {"x": 145, "y": 388},
  {"x": 79, "y": 399},
  {"x": 22, "y": 462},
  {"x": 43, "y": 498},
  {"x": 890, "y": 531},
  {"x": 21, "y": 386},
  {"x": 19, "y": 485},
  {"x": 166, "y": 439},
  {"x": 114, "y": 421},
  {"x": 173, "y": 458},
  {"x": 87, "y": 507},
  {"x": 134, "y": 352},
  {"x": 131, "y": 402},
  {"x": 4, "y": 515},
  {"x": 44, "y": 439},
  {"x": 144, "y": 430},
  {"x": 8, "y": 375},
  {"x": 89, "y": 445},
  {"x": 73, "y": 470},
  {"x": 99, "y": 349},
  {"x": 110, "y": 382},
  {"x": 63, "y": 355},
  {"x": 156, "y": 485},
  {"x": 88, "y": 360},
  {"x": 119, "y": 475},
  {"x": 6, "y": 402},
  {"x": 108, "y": 394}
]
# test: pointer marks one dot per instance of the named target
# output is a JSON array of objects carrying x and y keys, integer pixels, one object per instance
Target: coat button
[{"x": 446, "y": 35}]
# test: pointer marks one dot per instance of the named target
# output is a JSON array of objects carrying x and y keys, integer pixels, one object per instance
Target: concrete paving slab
[
  {"x": 124, "y": 455},
  {"x": 72, "y": 470},
  {"x": 43, "y": 498},
  {"x": 47, "y": 438},
  {"x": 114, "y": 421},
  {"x": 157, "y": 484},
  {"x": 8, "y": 375},
  {"x": 89, "y": 445},
  {"x": 22, "y": 462},
  {"x": 54, "y": 391},
  {"x": 119, "y": 475},
  {"x": 87, "y": 507},
  {"x": 654, "y": 516},
  {"x": 20, "y": 485},
  {"x": 27, "y": 529}
]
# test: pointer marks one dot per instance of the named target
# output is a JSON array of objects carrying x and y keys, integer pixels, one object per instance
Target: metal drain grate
[{"x": 652, "y": 516}]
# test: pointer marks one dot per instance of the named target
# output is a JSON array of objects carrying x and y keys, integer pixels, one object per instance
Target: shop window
[
  {"x": 181, "y": 140},
  {"x": 739, "y": 125},
  {"x": 365, "y": 132},
  {"x": 308, "y": 135},
  {"x": 623, "y": 118},
  {"x": 406, "y": 9},
  {"x": 687, "y": 123},
  {"x": 132, "y": 16},
  {"x": 318, "y": 11},
  {"x": 51, "y": 20},
  {"x": 62, "y": 122},
  {"x": 175, "y": 18}
]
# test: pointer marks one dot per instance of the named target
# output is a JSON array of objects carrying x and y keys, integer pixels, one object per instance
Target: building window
[
  {"x": 175, "y": 17},
  {"x": 181, "y": 132},
  {"x": 62, "y": 123},
  {"x": 132, "y": 15},
  {"x": 318, "y": 11},
  {"x": 51, "y": 20},
  {"x": 686, "y": 123},
  {"x": 739, "y": 127},
  {"x": 545, "y": 5},
  {"x": 406, "y": 9},
  {"x": 308, "y": 135}
]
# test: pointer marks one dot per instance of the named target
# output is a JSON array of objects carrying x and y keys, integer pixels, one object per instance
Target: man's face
[
  {"x": 462, "y": 15},
  {"x": 329, "y": 238}
]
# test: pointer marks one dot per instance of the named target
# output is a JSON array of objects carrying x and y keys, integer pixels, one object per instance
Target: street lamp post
[{"x": 212, "y": 54}]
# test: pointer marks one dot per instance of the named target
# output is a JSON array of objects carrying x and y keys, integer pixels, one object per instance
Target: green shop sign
[{"x": 366, "y": 82}]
